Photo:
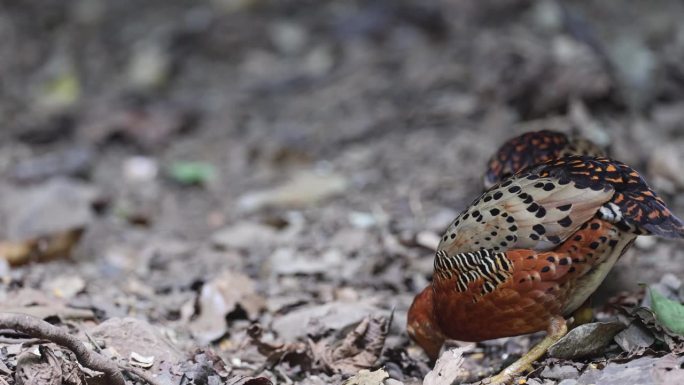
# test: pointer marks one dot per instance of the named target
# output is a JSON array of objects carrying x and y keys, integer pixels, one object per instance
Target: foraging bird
[
  {"x": 532, "y": 148},
  {"x": 530, "y": 250}
]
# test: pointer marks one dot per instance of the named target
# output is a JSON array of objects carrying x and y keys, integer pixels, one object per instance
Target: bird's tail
[{"x": 644, "y": 213}]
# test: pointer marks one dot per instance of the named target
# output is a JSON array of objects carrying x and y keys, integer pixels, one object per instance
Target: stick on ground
[{"x": 38, "y": 328}]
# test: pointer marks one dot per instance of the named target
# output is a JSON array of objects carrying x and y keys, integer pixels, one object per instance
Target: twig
[
  {"x": 141, "y": 374},
  {"x": 96, "y": 346},
  {"x": 40, "y": 329}
]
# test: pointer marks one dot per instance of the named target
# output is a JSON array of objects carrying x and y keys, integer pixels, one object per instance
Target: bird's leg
[
  {"x": 557, "y": 329},
  {"x": 583, "y": 315}
]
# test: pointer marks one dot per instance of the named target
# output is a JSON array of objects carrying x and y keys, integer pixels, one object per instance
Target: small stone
[
  {"x": 138, "y": 169},
  {"x": 288, "y": 37},
  {"x": 645, "y": 243},
  {"x": 361, "y": 220},
  {"x": 585, "y": 340},
  {"x": 560, "y": 372},
  {"x": 671, "y": 281}
]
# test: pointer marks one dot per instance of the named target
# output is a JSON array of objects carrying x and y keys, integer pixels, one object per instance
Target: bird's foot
[{"x": 557, "y": 329}]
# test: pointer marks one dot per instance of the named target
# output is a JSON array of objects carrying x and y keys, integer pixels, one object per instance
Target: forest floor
[{"x": 251, "y": 191}]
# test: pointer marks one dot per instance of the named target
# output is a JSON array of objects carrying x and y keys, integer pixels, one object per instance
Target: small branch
[
  {"x": 38, "y": 328},
  {"x": 140, "y": 374}
]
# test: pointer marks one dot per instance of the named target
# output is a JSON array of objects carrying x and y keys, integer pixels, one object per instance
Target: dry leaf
[
  {"x": 447, "y": 368},
  {"x": 366, "y": 377},
  {"x": 303, "y": 189},
  {"x": 220, "y": 297},
  {"x": 360, "y": 348},
  {"x": 296, "y": 353}
]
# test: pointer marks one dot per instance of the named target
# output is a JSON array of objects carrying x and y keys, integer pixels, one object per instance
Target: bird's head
[{"x": 422, "y": 326}]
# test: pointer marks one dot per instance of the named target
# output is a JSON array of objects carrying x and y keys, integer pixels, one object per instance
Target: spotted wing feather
[
  {"x": 526, "y": 211},
  {"x": 634, "y": 207}
]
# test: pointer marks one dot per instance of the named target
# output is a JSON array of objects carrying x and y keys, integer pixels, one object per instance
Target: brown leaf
[
  {"x": 205, "y": 367},
  {"x": 41, "y": 249},
  {"x": 220, "y": 297},
  {"x": 47, "y": 368},
  {"x": 635, "y": 339},
  {"x": 644, "y": 318},
  {"x": 297, "y": 354},
  {"x": 360, "y": 348}
]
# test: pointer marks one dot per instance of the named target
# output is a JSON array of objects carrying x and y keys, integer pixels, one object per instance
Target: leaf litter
[{"x": 323, "y": 185}]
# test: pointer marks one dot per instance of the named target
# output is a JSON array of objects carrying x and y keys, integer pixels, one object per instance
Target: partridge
[
  {"x": 532, "y": 148},
  {"x": 531, "y": 249}
]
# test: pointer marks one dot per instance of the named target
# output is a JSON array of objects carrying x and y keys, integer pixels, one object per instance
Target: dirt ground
[{"x": 250, "y": 191}]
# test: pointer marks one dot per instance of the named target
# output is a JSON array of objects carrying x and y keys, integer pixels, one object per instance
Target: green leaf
[
  {"x": 192, "y": 173},
  {"x": 669, "y": 313}
]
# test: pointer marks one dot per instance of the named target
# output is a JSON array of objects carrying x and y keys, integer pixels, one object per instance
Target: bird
[
  {"x": 532, "y": 148},
  {"x": 530, "y": 250}
]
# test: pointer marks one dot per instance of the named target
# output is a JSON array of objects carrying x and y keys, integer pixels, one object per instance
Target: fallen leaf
[
  {"x": 669, "y": 313},
  {"x": 297, "y": 353},
  {"x": 192, "y": 173},
  {"x": 141, "y": 361},
  {"x": 62, "y": 91},
  {"x": 38, "y": 303},
  {"x": 646, "y": 318},
  {"x": 220, "y": 297},
  {"x": 335, "y": 315},
  {"x": 75, "y": 161},
  {"x": 305, "y": 188},
  {"x": 44, "y": 367},
  {"x": 247, "y": 235},
  {"x": 45, "y": 221},
  {"x": 149, "y": 65},
  {"x": 205, "y": 367},
  {"x": 65, "y": 286},
  {"x": 447, "y": 368},
  {"x": 366, "y": 377},
  {"x": 359, "y": 349},
  {"x": 635, "y": 339},
  {"x": 147, "y": 124}
]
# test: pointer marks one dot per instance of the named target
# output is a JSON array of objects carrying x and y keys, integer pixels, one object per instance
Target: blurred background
[{"x": 317, "y": 149}]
